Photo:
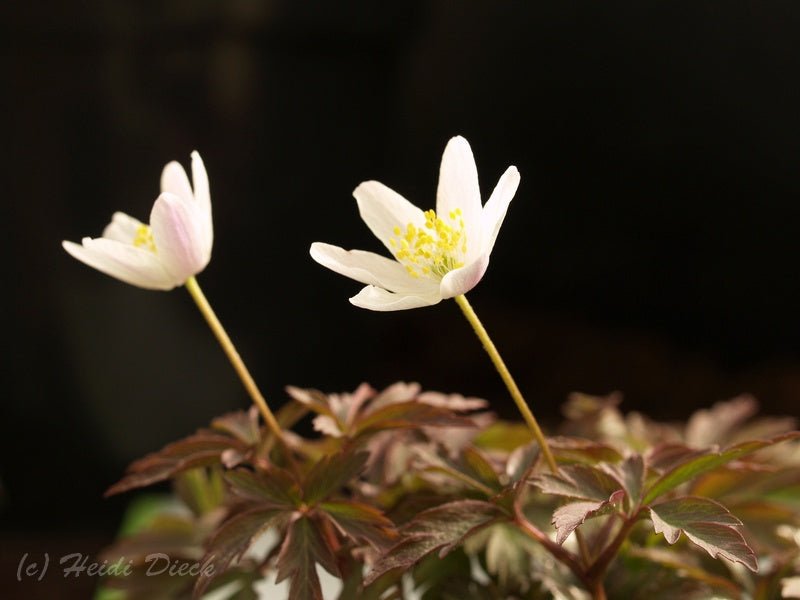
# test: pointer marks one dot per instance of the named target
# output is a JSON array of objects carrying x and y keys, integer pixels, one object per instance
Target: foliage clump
[{"x": 407, "y": 490}]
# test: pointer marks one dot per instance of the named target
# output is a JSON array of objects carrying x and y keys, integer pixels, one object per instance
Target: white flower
[
  {"x": 174, "y": 247},
  {"x": 437, "y": 254}
]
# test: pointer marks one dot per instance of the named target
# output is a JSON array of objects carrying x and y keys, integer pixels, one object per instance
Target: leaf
[
  {"x": 697, "y": 465},
  {"x": 241, "y": 425},
  {"x": 580, "y": 482},
  {"x": 275, "y": 487},
  {"x": 714, "y": 425},
  {"x": 408, "y": 415},
  {"x": 302, "y": 549},
  {"x": 503, "y": 435},
  {"x": 630, "y": 473},
  {"x": 567, "y": 518},
  {"x": 579, "y": 450},
  {"x": 233, "y": 539},
  {"x": 430, "y": 461},
  {"x": 441, "y": 528},
  {"x": 475, "y": 461},
  {"x": 706, "y": 523},
  {"x": 200, "y": 449},
  {"x": 331, "y": 474},
  {"x": 361, "y": 522}
]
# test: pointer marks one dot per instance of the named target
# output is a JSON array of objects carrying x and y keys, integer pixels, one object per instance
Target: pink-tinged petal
[
  {"x": 375, "y": 298},
  {"x": 371, "y": 269},
  {"x": 123, "y": 228},
  {"x": 383, "y": 209},
  {"x": 459, "y": 189},
  {"x": 178, "y": 234},
  {"x": 460, "y": 281},
  {"x": 202, "y": 195},
  {"x": 125, "y": 262},
  {"x": 175, "y": 181},
  {"x": 497, "y": 205}
]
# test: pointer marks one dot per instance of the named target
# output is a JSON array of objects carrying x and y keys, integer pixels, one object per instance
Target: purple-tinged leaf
[
  {"x": 201, "y": 449},
  {"x": 241, "y": 425},
  {"x": 408, "y": 415},
  {"x": 233, "y": 539},
  {"x": 579, "y": 450},
  {"x": 331, "y": 474},
  {"x": 665, "y": 456},
  {"x": 442, "y": 528},
  {"x": 302, "y": 549},
  {"x": 361, "y": 522},
  {"x": 580, "y": 482},
  {"x": 568, "y": 517},
  {"x": 275, "y": 487},
  {"x": 314, "y": 400},
  {"x": 697, "y": 465},
  {"x": 630, "y": 473},
  {"x": 706, "y": 523},
  {"x": 713, "y": 425}
]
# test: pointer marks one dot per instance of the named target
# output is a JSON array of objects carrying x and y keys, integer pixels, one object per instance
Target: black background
[{"x": 651, "y": 248}]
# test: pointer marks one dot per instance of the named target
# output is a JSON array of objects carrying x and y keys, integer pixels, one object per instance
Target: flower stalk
[
  {"x": 505, "y": 375},
  {"x": 233, "y": 355}
]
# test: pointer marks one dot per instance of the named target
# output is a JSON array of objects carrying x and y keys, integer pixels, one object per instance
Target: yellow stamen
[
  {"x": 144, "y": 238},
  {"x": 434, "y": 250}
]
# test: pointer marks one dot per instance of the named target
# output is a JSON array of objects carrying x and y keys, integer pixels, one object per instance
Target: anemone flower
[
  {"x": 436, "y": 254},
  {"x": 165, "y": 254}
]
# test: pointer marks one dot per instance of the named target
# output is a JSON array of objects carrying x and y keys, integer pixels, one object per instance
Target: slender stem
[
  {"x": 598, "y": 568},
  {"x": 558, "y": 552},
  {"x": 490, "y": 348},
  {"x": 230, "y": 350}
]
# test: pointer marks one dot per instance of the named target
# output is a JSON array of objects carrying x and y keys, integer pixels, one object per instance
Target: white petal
[
  {"x": 178, "y": 234},
  {"x": 202, "y": 195},
  {"x": 370, "y": 268},
  {"x": 175, "y": 181},
  {"x": 460, "y": 281},
  {"x": 375, "y": 298},
  {"x": 127, "y": 263},
  {"x": 123, "y": 228},
  {"x": 384, "y": 209},
  {"x": 497, "y": 205},
  {"x": 458, "y": 188}
]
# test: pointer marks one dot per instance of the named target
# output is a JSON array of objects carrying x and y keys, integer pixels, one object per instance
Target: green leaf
[
  {"x": 568, "y": 517},
  {"x": 275, "y": 487},
  {"x": 481, "y": 468},
  {"x": 331, "y": 474},
  {"x": 442, "y": 528},
  {"x": 697, "y": 465},
  {"x": 361, "y": 522},
  {"x": 302, "y": 549},
  {"x": 706, "y": 523},
  {"x": 580, "y": 482},
  {"x": 233, "y": 539}
]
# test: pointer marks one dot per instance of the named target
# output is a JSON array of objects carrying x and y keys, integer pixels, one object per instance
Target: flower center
[
  {"x": 432, "y": 250},
  {"x": 144, "y": 238}
]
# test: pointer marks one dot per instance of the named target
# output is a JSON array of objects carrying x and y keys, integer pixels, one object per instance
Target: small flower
[
  {"x": 439, "y": 253},
  {"x": 174, "y": 247}
]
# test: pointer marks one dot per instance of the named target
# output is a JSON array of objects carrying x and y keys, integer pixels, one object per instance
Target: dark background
[{"x": 651, "y": 248}]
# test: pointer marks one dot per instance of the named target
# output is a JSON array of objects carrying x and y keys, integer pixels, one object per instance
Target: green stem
[
  {"x": 230, "y": 350},
  {"x": 490, "y": 348}
]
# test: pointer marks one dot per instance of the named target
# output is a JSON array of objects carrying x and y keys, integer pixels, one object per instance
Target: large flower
[
  {"x": 437, "y": 254},
  {"x": 174, "y": 247}
]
